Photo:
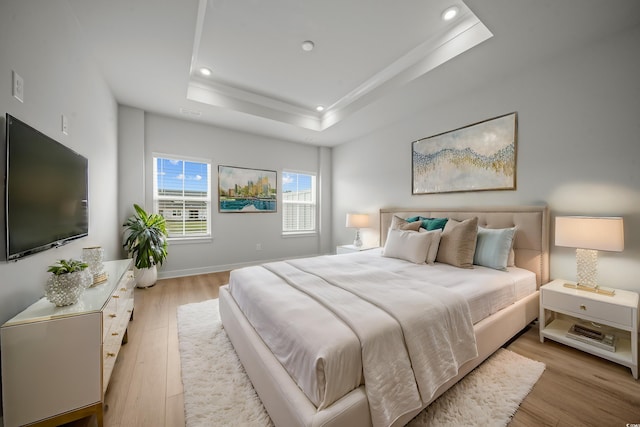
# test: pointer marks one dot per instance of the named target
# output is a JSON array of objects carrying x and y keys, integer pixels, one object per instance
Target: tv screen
[{"x": 45, "y": 193}]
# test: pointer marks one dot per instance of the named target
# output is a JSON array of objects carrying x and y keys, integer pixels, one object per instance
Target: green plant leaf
[
  {"x": 67, "y": 266},
  {"x": 146, "y": 238}
]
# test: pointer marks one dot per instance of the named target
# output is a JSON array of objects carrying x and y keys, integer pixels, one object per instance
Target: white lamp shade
[
  {"x": 355, "y": 220},
  {"x": 603, "y": 234}
]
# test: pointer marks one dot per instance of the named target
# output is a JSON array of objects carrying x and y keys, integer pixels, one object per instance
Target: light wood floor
[{"x": 576, "y": 389}]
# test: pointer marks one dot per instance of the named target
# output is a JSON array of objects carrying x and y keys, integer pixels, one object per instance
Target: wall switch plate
[
  {"x": 18, "y": 87},
  {"x": 65, "y": 125}
]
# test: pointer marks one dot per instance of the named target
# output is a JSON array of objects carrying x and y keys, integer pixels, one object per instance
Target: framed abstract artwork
[
  {"x": 247, "y": 190},
  {"x": 477, "y": 157}
]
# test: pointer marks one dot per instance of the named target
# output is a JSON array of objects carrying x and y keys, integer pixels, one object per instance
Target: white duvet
[{"x": 335, "y": 323}]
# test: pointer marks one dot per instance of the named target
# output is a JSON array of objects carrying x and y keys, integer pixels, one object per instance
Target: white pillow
[
  {"x": 493, "y": 247},
  {"x": 408, "y": 245},
  {"x": 434, "y": 236}
]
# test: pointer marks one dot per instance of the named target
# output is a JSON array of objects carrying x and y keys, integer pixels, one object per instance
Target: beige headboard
[{"x": 531, "y": 244}]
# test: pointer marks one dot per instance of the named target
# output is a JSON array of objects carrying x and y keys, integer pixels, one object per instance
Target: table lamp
[
  {"x": 357, "y": 221},
  {"x": 589, "y": 235}
]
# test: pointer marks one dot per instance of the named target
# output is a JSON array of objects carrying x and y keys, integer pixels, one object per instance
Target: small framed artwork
[
  {"x": 477, "y": 157},
  {"x": 247, "y": 190}
]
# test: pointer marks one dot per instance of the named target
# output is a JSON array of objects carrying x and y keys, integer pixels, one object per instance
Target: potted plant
[
  {"x": 146, "y": 241},
  {"x": 68, "y": 280}
]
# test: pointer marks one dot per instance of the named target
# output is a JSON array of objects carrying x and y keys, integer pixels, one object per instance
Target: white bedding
[
  {"x": 487, "y": 290},
  {"x": 327, "y": 352}
]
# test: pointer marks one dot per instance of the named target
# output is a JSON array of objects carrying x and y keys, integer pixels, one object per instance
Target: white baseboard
[{"x": 170, "y": 274}]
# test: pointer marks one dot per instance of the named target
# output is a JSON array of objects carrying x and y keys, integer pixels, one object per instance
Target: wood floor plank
[
  {"x": 576, "y": 389},
  {"x": 175, "y": 411},
  {"x": 145, "y": 405},
  {"x": 174, "y": 379}
]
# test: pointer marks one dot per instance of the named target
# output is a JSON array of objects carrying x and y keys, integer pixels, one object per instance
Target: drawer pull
[
  {"x": 114, "y": 334},
  {"x": 583, "y": 307},
  {"x": 123, "y": 289},
  {"x": 110, "y": 354},
  {"x": 112, "y": 315},
  {"x": 115, "y": 296}
]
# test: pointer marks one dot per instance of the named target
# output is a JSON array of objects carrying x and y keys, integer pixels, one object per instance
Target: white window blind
[
  {"x": 182, "y": 195},
  {"x": 299, "y": 210}
]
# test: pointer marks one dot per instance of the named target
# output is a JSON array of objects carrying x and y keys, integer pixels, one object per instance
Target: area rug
[{"x": 217, "y": 391}]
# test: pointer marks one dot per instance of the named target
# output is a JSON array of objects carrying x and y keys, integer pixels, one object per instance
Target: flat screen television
[{"x": 46, "y": 192}]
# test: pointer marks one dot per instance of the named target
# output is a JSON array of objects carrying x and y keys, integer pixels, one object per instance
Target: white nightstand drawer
[{"x": 579, "y": 307}]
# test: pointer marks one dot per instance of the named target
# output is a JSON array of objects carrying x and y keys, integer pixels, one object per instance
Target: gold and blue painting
[
  {"x": 247, "y": 190},
  {"x": 477, "y": 157}
]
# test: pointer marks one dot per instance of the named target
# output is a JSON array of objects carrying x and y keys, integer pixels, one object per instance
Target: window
[
  {"x": 298, "y": 202},
  {"x": 182, "y": 195}
]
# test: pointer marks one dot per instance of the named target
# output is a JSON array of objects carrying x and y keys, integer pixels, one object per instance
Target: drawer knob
[
  {"x": 112, "y": 315},
  {"x": 583, "y": 307},
  {"x": 110, "y": 354}
]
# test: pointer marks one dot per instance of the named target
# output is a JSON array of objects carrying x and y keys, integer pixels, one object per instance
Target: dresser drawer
[{"x": 579, "y": 307}]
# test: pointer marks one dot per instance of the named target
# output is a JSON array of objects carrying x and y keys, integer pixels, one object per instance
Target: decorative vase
[
  {"x": 93, "y": 256},
  {"x": 65, "y": 289},
  {"x": 145, "y": 277}
]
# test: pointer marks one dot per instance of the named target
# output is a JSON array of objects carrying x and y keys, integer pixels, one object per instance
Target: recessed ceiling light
[
  {"x": 450, "y": 13},
  {"x": 319, "y": 108},
  {"x": 205, "y": 71},
  {"x": 308, "y": 45}
]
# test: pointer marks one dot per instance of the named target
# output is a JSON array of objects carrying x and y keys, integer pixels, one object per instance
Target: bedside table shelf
[
  {"x": 557, "y": 331},
  {"x": 561, "y": 307}
]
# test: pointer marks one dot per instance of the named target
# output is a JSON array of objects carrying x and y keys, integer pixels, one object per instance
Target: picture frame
[
  {"x": 477, "y": 157},
  {"x": 246, "y": 190}
]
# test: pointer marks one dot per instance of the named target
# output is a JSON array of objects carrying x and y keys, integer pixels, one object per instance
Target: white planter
[
  {"x": 65, "y": 289},
  {"x": 145, "y": 277}
]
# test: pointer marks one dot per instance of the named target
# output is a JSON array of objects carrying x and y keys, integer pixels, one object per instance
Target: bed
[{"x": 296, "y": 392}]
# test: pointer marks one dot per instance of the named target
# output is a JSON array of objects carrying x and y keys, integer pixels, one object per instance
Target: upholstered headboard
[{"x": 531, "y": 244}]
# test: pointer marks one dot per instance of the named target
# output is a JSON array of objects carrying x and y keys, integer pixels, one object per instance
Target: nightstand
[
  {"x": 561, "y": 307},
  {"x": 347, "y": 249}
]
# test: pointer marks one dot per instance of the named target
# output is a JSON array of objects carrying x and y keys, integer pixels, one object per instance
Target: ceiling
[{"x": 373, "y": 61}]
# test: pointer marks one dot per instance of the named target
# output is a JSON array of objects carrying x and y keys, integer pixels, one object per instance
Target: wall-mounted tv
[{"x": 45, "y": 192}]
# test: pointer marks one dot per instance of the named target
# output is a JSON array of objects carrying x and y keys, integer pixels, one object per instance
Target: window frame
[
  {"x": 156, "y": 198},
  {"x": 315, "y": 202}
]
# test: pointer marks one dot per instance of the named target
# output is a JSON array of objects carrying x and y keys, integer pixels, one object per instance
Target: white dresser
[{"x": 57, "y": 361}]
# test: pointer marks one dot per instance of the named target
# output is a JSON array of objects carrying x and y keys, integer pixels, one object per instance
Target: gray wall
[
  {"x": 42, "y": 42},
  {"x": 578, "y": 148},
  {"x": 235, "y": 235}
]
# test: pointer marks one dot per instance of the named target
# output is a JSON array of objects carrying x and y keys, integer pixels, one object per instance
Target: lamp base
[
  {"x": 357, "y": 242},
  {"x": 587, "y": 266}
]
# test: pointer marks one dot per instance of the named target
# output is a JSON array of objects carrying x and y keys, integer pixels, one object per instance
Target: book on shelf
[{"x": 592, "y": 336}]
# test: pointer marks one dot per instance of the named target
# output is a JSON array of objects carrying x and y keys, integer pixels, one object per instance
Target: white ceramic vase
[
  {"x": 145, "y": 277},
  {"x": 65, "y": 289},
  {"x": 93, "y": 256}
]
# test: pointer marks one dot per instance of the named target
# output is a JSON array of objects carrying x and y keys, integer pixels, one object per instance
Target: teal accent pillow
[
  {"x": 433, "y": 223},
  {"x": 493, "y": 247},
  {"x": 429, "y": 224}
]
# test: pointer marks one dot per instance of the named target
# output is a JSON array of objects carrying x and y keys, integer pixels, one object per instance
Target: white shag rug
[{"x": 217, "y": 391}]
